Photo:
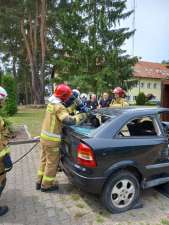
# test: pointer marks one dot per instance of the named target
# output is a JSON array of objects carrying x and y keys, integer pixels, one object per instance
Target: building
[{"x": 149, "y": 76}]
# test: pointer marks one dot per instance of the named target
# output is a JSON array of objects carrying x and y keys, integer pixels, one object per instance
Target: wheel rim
[{"x": 123, "y": 193}]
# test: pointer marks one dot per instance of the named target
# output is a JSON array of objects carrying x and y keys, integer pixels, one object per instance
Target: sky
[{"x": 151, "y": 39}]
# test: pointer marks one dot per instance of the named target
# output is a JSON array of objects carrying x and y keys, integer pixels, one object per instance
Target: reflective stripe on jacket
[
  {"x": 4, "y": 152},
  {"x": 120, "y": 103},
  {"x": 50, "y": 136}
]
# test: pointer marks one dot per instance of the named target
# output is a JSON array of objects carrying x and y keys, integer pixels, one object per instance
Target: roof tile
[{"x": 150, "y": 70}]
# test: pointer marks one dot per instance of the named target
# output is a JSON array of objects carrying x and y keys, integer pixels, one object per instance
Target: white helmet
[
  {"x": 83, "y": 95},
  {"x": 3, "y": 93}
]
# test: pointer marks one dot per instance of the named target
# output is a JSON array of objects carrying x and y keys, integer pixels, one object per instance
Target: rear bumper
[{"x": 88, "y": 184}]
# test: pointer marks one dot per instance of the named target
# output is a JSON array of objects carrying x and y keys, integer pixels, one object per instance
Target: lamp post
[{"x": 133, "y": 26}]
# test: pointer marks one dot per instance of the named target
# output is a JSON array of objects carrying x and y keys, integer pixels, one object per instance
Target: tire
[{"x": 121, "y": 192}]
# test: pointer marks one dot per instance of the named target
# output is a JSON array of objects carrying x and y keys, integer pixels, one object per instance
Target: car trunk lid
[{"x": 72, "y": 137}]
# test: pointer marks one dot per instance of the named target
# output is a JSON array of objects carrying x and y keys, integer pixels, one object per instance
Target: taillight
[{"x": 85, "y": 156}]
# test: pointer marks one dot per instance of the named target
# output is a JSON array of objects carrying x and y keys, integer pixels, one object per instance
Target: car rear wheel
[{"x": 121, "y": 192}]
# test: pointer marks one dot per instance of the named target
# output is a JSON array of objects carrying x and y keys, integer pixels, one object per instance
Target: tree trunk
[
  {"x": 29, "y": 43},
  {"x": 14, "y": 67},
  {"x": 26, "y": 92},
  {"x": 43, "y": 46}
]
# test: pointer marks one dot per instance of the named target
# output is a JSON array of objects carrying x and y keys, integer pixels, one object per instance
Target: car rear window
[
  {"x": 83, "y": 130},
  {"x": 94, "y": 123}
]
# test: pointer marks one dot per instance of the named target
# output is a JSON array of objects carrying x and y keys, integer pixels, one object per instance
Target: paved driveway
[{"x": 69, "y": 205}]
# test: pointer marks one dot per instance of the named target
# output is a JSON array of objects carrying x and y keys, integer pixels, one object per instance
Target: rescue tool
[{"x": 7, "y": 159}]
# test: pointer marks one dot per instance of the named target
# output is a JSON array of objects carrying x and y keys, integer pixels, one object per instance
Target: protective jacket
[
  {"x": 56, "y": 115},
  {"x": 120, "y": 102},
  {"x": 4, "y": 150}
]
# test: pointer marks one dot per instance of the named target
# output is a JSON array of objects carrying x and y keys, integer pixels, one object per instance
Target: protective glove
[
  {"x": 80, "y": 118},
  {"x": 37, "y": 138}
]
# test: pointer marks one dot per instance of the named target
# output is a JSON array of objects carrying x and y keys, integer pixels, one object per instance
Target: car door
[{"x": 144, "y": 143}]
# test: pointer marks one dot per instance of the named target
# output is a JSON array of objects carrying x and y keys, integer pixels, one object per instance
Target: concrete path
[{"x": 68, "y": 206}]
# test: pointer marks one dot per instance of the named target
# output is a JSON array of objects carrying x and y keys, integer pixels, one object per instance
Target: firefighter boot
[
  {"x": 50, "y": 189},
  {"x": 3, "y": 210},
  {"x": 38, "y": 186}
]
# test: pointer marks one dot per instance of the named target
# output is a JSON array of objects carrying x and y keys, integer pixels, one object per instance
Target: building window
[
  {"x": 149, "y": 85},
  {"x": 142, "y": 85},
  {"x": 155, "y": 85},
  {"x": 128, "y": 97}
]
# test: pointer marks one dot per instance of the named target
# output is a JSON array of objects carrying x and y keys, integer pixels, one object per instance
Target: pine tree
[
  {"x": 90, "y": 44},
  {"x": 70, "y": 32}
]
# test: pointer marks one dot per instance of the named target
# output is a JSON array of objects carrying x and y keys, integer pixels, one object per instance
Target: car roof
[{"x": 111, "y": 112}]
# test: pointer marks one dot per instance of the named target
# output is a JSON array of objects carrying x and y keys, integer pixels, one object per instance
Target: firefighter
[
  {"x": 56, "y": 115},
  {"x": 4, "y": 150},
  {"x": 119, "y": 100}
]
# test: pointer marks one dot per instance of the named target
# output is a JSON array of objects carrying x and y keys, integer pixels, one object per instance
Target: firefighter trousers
[
  {"x": 49, "y": 161},
  {"x": 2, "y": 177}
]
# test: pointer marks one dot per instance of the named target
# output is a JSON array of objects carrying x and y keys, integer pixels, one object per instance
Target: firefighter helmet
[
  {"x": 119, "y": 91},
  {"x": 3, "y": 93},
  {"x": 63, "y": 92}
]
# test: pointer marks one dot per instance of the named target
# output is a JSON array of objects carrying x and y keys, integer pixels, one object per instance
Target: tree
[
  {"x": 25, "y": 22},
  {"x": 141, "y": 99},
  {"x": 33, "y": 28},
  {"x": 166, "y": 63},
  {"x": 10, "y": 38},
  {"x": 82, "y": 38},
  {"x": 89, "y": 44}
]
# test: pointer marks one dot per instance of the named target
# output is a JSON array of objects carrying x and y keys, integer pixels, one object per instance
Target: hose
[{"x": 19, "y": 159}]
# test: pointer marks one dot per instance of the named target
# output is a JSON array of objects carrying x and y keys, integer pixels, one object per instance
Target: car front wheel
[{"x": 121, "y": 192}]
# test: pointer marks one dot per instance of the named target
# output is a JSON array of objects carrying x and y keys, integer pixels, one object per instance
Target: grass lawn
[{"x": 31, "y": 117}]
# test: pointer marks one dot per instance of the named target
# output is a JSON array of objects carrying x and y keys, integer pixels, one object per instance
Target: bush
[
  {"x": 141, "y": 99},
  {"x": 9, "y": 84}
]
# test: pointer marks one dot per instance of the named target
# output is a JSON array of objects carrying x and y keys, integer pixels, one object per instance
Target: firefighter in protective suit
[
  {"x": 119, "y": 100},
  {"x": 4, "y": 150},
  {"x": 56, "y": 115}
]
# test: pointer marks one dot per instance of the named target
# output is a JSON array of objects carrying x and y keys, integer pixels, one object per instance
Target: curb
[{"x": 26, "y": 130}]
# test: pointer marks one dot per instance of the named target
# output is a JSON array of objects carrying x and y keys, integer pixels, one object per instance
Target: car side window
[
  {"x": 143, "y": 126},
  {"x": 164, "y": 118}
]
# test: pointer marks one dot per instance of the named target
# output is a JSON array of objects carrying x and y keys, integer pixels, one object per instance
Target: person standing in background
[
  {"x": 92, "y": 103},
  {"x": 119, "y": 100},
  {"x": 105, "y": 100}
]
